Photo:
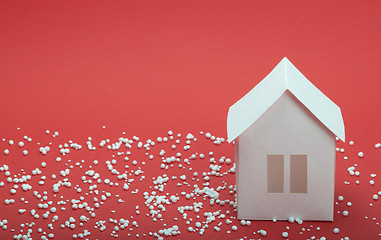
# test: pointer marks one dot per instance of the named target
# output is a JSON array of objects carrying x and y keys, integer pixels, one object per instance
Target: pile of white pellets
[{"x": 171, "y": 186}]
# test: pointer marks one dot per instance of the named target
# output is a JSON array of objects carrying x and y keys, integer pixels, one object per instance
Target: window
[
  {"x": 298, "y": 173},
  {"x": 275, "y": 172}
]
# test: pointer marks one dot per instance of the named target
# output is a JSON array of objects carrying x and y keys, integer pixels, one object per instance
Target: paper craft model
[{"x": 285, "y": 134}]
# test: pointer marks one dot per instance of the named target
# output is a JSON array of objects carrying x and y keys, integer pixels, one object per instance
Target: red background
[{"x": 146, "y": 67}]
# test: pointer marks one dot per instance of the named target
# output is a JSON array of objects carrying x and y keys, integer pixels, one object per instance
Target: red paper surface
[{"x": 148, "y": 67}]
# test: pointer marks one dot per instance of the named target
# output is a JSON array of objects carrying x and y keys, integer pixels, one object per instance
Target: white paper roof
[{"x": 285, "y": 76}]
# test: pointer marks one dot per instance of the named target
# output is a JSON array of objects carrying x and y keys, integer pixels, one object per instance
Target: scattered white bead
[{"x": 263, "y": 233}]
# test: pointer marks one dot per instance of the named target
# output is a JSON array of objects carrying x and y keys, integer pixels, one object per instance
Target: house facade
[{"x": 285, "y": 151}]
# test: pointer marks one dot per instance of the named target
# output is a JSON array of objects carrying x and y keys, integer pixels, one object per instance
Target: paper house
[{"x": 285, "y": 134}]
